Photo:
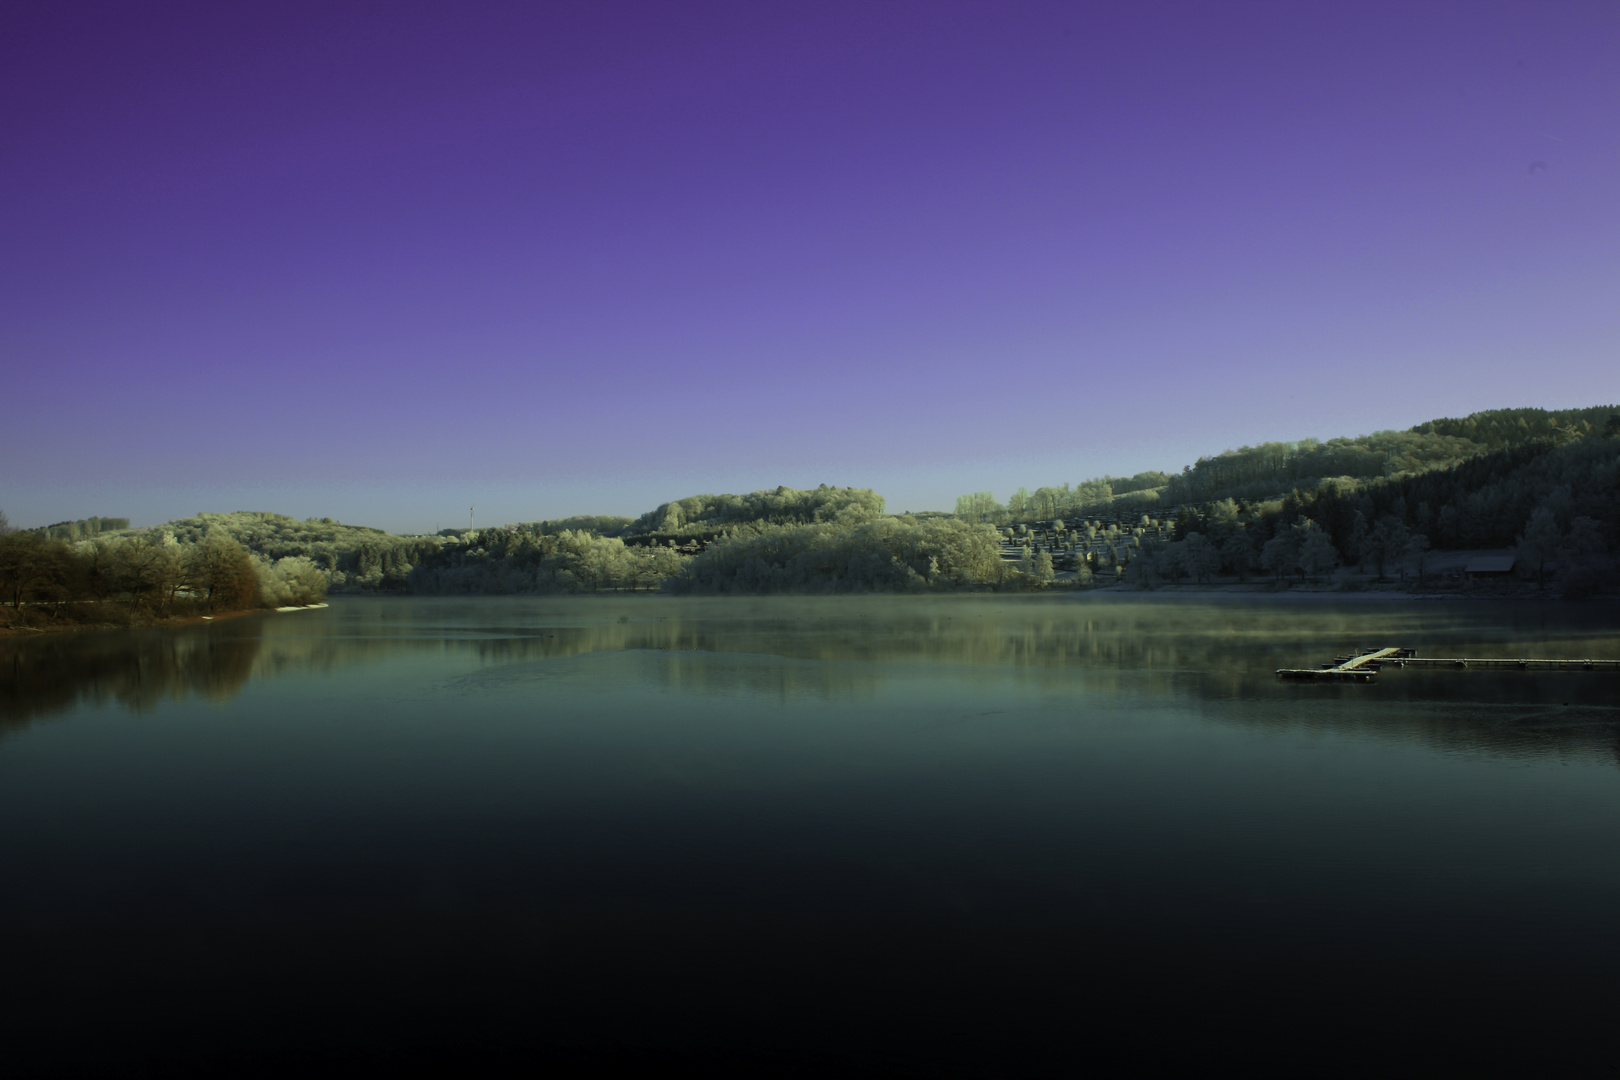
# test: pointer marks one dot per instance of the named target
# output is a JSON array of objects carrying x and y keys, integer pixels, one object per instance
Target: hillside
[
  {"x": 1272, "y": 470},
  {"x": 1545, "y": 484}
]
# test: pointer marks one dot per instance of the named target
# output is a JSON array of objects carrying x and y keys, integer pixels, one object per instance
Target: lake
[{"x": 971, "y": 836}]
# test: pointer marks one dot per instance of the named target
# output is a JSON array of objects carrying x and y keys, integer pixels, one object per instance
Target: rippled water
[{"x": 976, "y": 836}]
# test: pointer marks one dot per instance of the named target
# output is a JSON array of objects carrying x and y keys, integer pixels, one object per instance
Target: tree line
[
  {"x": 520, "y": 560},
  {"x": 83, "y": 528},
  {"x": 1272, "y": 470},
  {"x": 1062, "y": 501},
  {"x": 1540, "y": 482},
  {"x": 1553, "y": 501},
  {"x": 1543, "y": 483},
  {"x": 887, "y": 554},
  {"x": 708, "y": 516},
  {"x": 153, "y": 574}
]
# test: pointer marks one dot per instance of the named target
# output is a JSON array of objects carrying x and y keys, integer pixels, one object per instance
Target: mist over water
[{"x": 971, "y": 836}]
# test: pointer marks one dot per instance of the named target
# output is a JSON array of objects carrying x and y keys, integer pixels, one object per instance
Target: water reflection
[
  {"x": 1516, "y": 715},
  {"x": 1218, "y": 656},
  {"x": 137, "y": 669},
  {"x": 426, "y": 824}
]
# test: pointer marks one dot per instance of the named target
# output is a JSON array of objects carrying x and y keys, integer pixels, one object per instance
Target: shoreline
[
  {"x": 1326, "y": 593},
  {"x": 29, "y": 633}
]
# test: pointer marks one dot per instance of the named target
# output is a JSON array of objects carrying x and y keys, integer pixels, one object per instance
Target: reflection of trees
[
  {"x": 1222, "y": 655},
  {"x": 135, "y": 668},
  {"x": 1501, "y": 713},
  {"x": 1216, "y": 639},
  {"x": 697, "y": 667},
  {"x": 1219, "y": 655}
]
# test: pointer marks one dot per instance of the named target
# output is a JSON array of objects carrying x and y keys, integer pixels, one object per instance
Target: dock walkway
[
  {"x": 1360, "y": 667},
  {"x": 1364, "y": 665}
]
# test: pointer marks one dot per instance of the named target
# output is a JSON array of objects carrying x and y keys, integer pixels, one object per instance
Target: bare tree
[
  {"x": 21, "y": 566},
  {"x": 1417, "y": 546},
  {"x": 1539, "y": 543},
  {"x": 1387, "y": 542},
  {"x": 223, "y": 569}
]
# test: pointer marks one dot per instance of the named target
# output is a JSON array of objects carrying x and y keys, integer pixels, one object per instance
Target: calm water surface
[{"x": 942, "y": 837}]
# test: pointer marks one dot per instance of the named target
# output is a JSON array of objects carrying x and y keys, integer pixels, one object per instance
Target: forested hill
[
  {"x": 661, "y": 548},
  {"x": 1545, "y": 483},
  {"x": 82, "y": 528},
  {"x": 1270, "y": 471},
  {"x": 1497, "y": 428},
  {"x": 350, "y": 557},
  {"x": 588, "y": 552},
  {"x": 1274, "y": 469},
  {"x": 1488, "y": 501},
  {"x": 709, "y": 515}
]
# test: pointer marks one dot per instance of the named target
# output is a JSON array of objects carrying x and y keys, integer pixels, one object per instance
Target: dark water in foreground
[{"x": 970, "y": 837}]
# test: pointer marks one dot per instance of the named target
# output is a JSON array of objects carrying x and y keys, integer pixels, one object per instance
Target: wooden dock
[
  {"x": 1358, "y": 667},
  {"x": 1365, "y": 665},
  {"x": 1506, "y": 662}
]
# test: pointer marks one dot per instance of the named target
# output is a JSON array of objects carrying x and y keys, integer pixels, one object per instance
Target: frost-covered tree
[
  {"x": 1280, "y": 554},
  {"x": 1317, "y": 555},
  {"x": 980, "y": 506},
  {"x": 292, "y": 581},
  {"x": 884, "y": 555},
  {"x": 1018, "y": 504}
]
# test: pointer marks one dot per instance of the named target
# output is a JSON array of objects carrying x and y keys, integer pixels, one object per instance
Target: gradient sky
[{"x": 381, "y": 262}]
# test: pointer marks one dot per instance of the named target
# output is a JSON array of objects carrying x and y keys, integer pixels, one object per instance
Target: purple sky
[{"x": 381, "y": 262}]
